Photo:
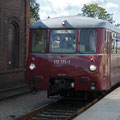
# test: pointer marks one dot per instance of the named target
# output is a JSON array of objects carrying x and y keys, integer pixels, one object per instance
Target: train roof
[{"x": 73, "y": 22}]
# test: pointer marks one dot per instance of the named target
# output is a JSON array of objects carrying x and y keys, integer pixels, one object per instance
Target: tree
[
  {"x": 117, "y": 25},
  {"x": 34, "y": 11},
  {"x": 95, "y": 11}
]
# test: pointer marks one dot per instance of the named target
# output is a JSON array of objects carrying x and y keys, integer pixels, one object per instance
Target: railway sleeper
[
  {"x": 57, "y": 113},
  {"x": 51, "y": 116},
  {"x": 63, "y": 110}
]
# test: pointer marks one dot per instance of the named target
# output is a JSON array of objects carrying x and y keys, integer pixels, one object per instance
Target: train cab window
[
  {"x": 63, "y": 41},
  {"x": 88, "y": 38},
  {"x": 39, "y": 38}
]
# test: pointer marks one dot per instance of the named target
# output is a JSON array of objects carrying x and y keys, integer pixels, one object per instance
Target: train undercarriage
[{"x": 65, "y": 87}]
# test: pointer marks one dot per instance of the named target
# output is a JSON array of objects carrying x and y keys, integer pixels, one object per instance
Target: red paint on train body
[{"x": 76, "y": 66}]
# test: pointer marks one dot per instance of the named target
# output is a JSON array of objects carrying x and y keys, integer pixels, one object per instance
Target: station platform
[{"x": 107, "y": 108}]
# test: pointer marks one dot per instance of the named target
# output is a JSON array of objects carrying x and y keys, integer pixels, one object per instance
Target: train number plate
[{"x": 62, "y": 62}]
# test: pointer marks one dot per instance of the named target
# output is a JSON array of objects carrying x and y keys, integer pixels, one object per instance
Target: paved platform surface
[
  {"x": 19, "y": 105},
  {"x": 106, "y": 109},
  {"x": 6, "y": 93}
]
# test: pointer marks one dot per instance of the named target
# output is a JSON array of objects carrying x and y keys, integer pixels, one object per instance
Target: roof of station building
[{"x": 73, "y": 22}]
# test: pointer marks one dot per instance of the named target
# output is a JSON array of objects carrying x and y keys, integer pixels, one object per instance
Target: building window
[{"x": 12, "y": 46}]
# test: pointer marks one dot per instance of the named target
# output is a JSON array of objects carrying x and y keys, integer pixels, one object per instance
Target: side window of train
[
  {"x": 88, "y": 39},
  {"x": 113, "y": 47},
  {"x": 114, "y": 44},
  {"x": 105, "y": 43},
  {"x": 118, "y": 43},
  {"x": 39, "y": 38}
]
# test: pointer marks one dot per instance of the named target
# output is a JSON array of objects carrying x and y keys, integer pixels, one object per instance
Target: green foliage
[
  {"x": 32, "y": 20},
  {"x": 117, "y": 25},
  {"x": 95, "y": 11},
  {"x": 34, "y": 11}
]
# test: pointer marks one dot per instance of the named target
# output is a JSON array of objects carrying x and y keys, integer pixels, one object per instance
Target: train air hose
[{"x": 33, "y": 88}]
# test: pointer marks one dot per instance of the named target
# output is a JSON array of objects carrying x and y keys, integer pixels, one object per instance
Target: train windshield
[
  {"x": 63, "y": 41},
  {"x": 39, "y": 38},
  {"x": 88, "y": 38}
]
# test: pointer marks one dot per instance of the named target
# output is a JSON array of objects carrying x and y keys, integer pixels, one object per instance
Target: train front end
[{"x": 67, "y": 61}]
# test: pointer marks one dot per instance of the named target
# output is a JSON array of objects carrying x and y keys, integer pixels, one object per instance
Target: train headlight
[
  {"x": 63, "y": 22},
  {"x": 32, "y": 66},
  {"x": 92, "y": 67}
]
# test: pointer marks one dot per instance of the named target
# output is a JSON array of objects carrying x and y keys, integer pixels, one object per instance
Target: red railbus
[{"x": 70, "y": 55}]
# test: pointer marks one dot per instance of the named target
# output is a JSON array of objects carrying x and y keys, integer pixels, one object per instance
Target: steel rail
[
  {"x": 68, "y": 114},
  {"x": 37, "y": 111},
  {"x": 78, "y": 112}
]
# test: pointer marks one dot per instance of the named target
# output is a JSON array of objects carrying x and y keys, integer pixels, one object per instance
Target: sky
[{"x": 57, "y": 8}]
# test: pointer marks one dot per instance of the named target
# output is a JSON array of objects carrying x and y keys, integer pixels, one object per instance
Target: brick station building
[{"x": 14, "y": 35}]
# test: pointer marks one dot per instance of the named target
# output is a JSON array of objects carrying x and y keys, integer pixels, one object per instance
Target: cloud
[
  {"x": 111, "y": 5},
  {"x": 54, "y": 8},
  {"x": 98, "y": 1},
  {"x": 114, "y": 9}
]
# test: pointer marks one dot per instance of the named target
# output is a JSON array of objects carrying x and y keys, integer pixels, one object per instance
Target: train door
[{"x": 108, "y": 39}]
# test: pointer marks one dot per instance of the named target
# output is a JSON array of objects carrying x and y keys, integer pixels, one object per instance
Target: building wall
[{"x": 15, "y": 12}]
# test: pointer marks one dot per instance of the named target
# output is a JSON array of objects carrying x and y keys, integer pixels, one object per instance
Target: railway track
[{"x": 63, "y": 109}]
